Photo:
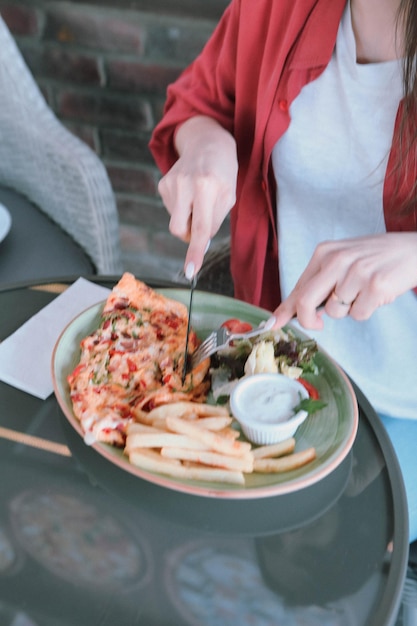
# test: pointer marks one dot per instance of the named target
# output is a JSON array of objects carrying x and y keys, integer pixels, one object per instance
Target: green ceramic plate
[{"x": 331, "y": 431}]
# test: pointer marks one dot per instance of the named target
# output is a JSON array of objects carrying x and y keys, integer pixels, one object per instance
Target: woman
[{"x": 299, "y": 118}]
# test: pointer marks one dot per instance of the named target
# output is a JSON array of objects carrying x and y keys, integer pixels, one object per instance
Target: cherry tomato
[
  {"x": 313, "y": 393},
  {"x": 234, "y": 325}
]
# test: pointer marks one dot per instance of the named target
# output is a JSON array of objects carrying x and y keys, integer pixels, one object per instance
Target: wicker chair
[{"x": 55, "y": 170}]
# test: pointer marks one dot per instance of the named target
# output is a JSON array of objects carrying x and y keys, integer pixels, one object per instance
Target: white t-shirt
[{"x": 330, "y": 168}]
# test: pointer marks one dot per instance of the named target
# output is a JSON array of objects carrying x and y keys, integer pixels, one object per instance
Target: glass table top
[{"x": 83, "y": 542}]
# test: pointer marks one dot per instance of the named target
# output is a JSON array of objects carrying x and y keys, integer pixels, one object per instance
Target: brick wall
[{"x": 103, "y": 66}]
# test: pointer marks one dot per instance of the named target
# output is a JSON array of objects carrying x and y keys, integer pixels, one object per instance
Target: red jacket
[{"x": 256, "y": 62}]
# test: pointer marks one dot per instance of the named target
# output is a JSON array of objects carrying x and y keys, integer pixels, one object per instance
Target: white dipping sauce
[
  {"x": 269, "y": 399},
  {"x": 268, "y": 402},
  {"x": 264, "y": 406}
]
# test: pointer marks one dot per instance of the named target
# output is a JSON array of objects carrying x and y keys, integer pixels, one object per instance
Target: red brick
[
  {"x": 92, "y": 29},
  {"x": 137, "y": 77},
  {"x": 135, "y": 210},
  {"x": 158, "y": 108},
  {"x": 127, "y": 146},
  {"x": 20, "y": 20},
  {"x": 134, "y": 239},
  {"x": 58, "y": 64},
  {"x": 106, "y": 110},
  {"x": 165, "y": 243},
  {"x": 132, "y": 179},
  {"x": 144, "y": 255},
  {"x": 177, "y": 42},
  {"x": 87, "y": 134},
  {"x": 203, "y": 9},
  {"x": 47, "y": 93}
]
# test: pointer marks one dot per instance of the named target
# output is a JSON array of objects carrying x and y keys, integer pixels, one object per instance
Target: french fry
[
  {"x": 177, "y": 409},
  {"x": 207, "y": 457},
  {"x": 137, "y": 427},
  {"x": 212, "y": 422},
  {"x": 285, "y": 463},
  {"x": 161, "y": 439},
  {"x": 160, "y": 423},
  {"x": 216, "y": 422},
  {"x": 275, "y": 450},
  {"x": 229, "y": 433},
  {"x": 150, "y": 457},
  {"x": 213, "y": 441},
  {"x": 197, "y": 442},
  {"x": 142, "y": 417},
  {"x": 173, "y": 468}
]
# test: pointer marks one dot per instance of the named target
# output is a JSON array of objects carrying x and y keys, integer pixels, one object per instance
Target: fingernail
[
  {"x": 270, "y": 322},
  {"x": 207, "y": 246},
  {"x": 190, "y": 270}
]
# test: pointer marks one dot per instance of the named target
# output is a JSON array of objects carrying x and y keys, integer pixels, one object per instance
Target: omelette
[{"x": 133, "y": 362}]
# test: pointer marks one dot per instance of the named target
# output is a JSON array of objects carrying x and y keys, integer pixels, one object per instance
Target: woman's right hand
[{"x": 200, "y": 189}]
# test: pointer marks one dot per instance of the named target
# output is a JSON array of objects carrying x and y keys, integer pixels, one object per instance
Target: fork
[{"x": 221, "y": 338}]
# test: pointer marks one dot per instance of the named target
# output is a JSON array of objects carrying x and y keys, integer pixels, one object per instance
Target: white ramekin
[{"x": 263, "y": 404}]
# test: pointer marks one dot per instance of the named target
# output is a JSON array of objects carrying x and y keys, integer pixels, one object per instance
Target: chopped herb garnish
[{"x": 310, "y": 405}]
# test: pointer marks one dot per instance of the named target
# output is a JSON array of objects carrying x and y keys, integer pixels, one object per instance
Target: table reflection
[{"x": 86, "y": 532}]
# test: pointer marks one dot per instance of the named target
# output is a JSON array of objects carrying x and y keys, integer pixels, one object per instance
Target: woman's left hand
[{"x": 352, "y": 277}]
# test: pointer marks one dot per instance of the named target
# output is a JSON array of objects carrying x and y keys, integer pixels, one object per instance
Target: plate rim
[{"x": 193, "y": 487}]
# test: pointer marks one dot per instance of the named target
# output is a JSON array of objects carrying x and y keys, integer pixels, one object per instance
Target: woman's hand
[
  {"x": 200, "y": 189},
  {"x": 352, "y": 277}
]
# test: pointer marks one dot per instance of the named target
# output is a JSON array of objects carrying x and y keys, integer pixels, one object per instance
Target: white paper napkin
[{"x": 25, "y": 356}]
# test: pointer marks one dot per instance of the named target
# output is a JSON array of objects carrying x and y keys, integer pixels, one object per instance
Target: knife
[{"x": 193, "y": 283}]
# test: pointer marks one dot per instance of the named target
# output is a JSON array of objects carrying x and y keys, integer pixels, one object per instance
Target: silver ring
[{"x": 336, "y": 298}]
